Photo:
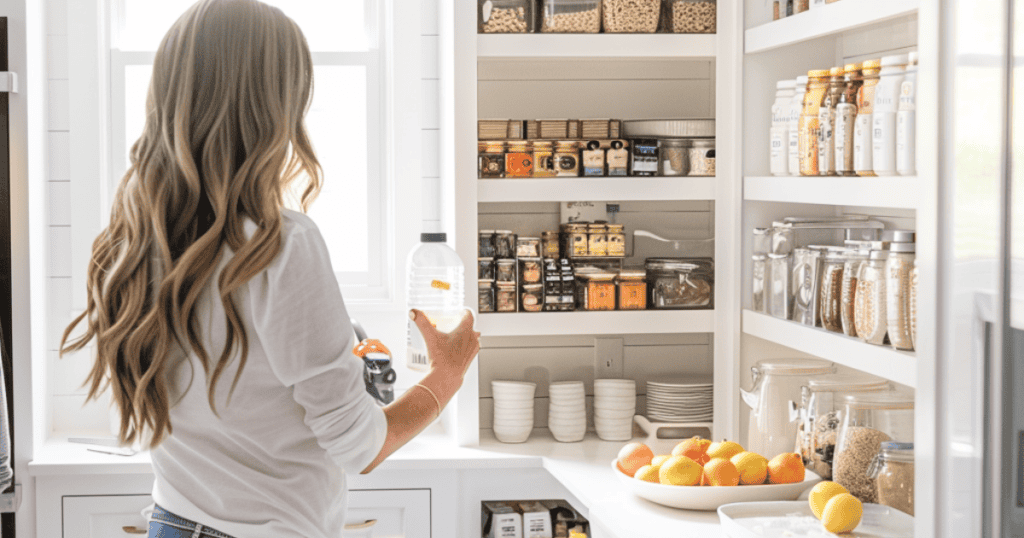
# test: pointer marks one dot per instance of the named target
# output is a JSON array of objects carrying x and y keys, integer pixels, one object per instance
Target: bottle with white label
[
  {"x": 906, "y": 121},
  {"x": 796, "y": 106},
  {"x": 827, "y": 123},
  {"x": 436, "y": 288},
  {"x": 846, "y": 117},
  {"x": 862, "y": 136},
  {"x": 883, "y": 119},
  {"x": 779, "y": 135}
]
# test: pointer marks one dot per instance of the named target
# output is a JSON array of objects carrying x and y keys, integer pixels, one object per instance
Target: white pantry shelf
[
  {"x": 597, "y": 45},
  {"x": 617, "y": 322},
  {"x": 882, "y": 361},
  {"x": 830, "y": 19},
  {"x": 596, "y": 189},
  {"x": 899, "y": 192}
]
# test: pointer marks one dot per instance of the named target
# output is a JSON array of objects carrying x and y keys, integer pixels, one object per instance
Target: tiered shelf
[
  {"x": 830, "y": 19},
  {"x": 618, "y": 322},
  {"x": 597, "y": 45},
  {"x": 607, "y": 189},
  {"x": 899, "y": 192}
]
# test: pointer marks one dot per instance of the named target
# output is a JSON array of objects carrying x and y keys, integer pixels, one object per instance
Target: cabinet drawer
[
  {"x": 104, "y": 516},
  {"x": 400, "y": 513}
]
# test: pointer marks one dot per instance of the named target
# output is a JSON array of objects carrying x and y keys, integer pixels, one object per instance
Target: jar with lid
[
  {"x": 567, "y": 158},
  {"x": 776, "y": 384},
  {"x": 618, "y": 159},
  {"x": 505, "y": 16},
  {"x": 780, "y": 297},
  {"x": 869, "y": 304},
  {"x": 863, "y": 139},
  {"x": 681, "y": 283},
  {"x": 533, "y": 297},
  {"x": 762, "y": 240},
  {"x": 673, "y": 153},
  {"x": 616, "y": 240},
  {"x": 504, "y": 244},
  {"x": 906, "y": 121},
  {"x": 832, "y": 291},
  {"x": 851, "y": 269},
  {"x": 883, "y": 116},
  {"x": 690, "y": 16},
  {"x": 846, "y": 118},
  {"x": 645, "y": 157},
  {"x": 893, "y": 472},
  {"x": 759, "y": 268},
  {"x": 817, "y": 85},
  {"x": 597, "y": 244},
  {"x": 505, "y": 271},
  {"x": 806, "y": 286},
  {"x": 577, "y": 240},
  {"x": 702, "y": 157},
  {"x": 518, "y": 159},
  {"x": 486, "y": 269},
  {"x": 870, "y": 419},
  {"x": 492, "y": 160},
  {"x": 632, "y": 17},
  {"x": 528, "y": 247},
  {"x": 898, "y": 271},
  {"x": 506, "y": 298},
  {"x": 827, "y": 122},
  {"x": 486, "y": 293},
  {"x": 796, "y": 106},
  {"x": 571, "y": 16},
  {"x": 778, "y": 135},
  {"x": 820, "y": 415},
  {"x": 486, "y": 248},
  {"x": 595, "y": 290},
  {"x": 530, "y": 270},
  {"x": 550, "y": 244},
  {"x": 914, "y": 277},
  {"x": 799, "y": 6},
  {"x": 632, "y": 289},
  {"x": 543, "y": 159},
  {"x": 593, "y": 159}
]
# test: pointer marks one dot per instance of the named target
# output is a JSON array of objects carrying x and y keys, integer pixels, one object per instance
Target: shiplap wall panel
[
  {"x": 429, "y": 17},
  {"x": 59, "y": 155},
  {"x": 430, "y": 53},
  {"x": 431, "y": 153},
  {"x": 56, "y": 17},
  {"x": 60, "y": 251},
  {"x": 73, "y": 370},
  {"x": 431, "y": 199},
  {"x": 57, "y": 57},
  {"x": 622, "y": 99},
  {"x": 431, "y": 94},
  {"x": 58, "y": 311},
  {"x": 60, "y": 203},
  {"x": 59, "y": 110}
]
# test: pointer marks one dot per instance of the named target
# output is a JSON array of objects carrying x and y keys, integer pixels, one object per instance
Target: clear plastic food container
[
  {"x": 571, "y": 16},
  {"x": 690, "y": 16},
  {"x": 681, "y": 283},
  {"x": 631, "y": 16},
  {"x": 505, "y": 16}
]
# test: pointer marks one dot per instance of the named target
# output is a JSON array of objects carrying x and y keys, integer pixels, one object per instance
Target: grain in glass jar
[
  {"x": 492, "y": 160},
  {"x": 863, "y": 138},
  {"x": 817, "y": 85},
  {"x": 702, "y": 157},
  {"x": 827, "y": 122},
  {"x": 486, "y": 269},
  {"x": 893, "y": 472},
  {"x": 518, "y": 160},
  {"x": 645, "y": 157},
  {"x": 618, "y": 159},
  {"x": 505, "y": 16},
  {"x": 632, "y": 289},
  {"x": 593, "y": 159},
  {"x": 674, "y": 156},
  {"x": 533, "y": 297},
  {"x": 690, "y": 16},
  {"x": 571, "y": 16},
  {"x": 504, "y": 244},
  {"x": 851, "y": 269},
  {"x": 616, "y": 240},
  {"x": 576, "y": 241},
  {"x": 486, "y": 248},
  {"x": 567, "y": 158},
  {"x": 898, "y": 270},
  {"x": 530, "y": 270},
  {"x": 914, "y": 277},
  {"x": 870, "y": 419},
  {"x": 597, "y": 240},
  {"x": 486, "y": 296},
  {"x": 631, "y": 16},
  {"x": 550, "y": 244},
  {"x": 595, "y": 290},
  {"x": 680, "y": 283},
  {"x": 780, "y": 296},
  {"x": 846, "y": 118},
  {"x": 506, "y": 298},
  {"x": 832, "y": 291},
  {"x": 543, "y": 159},
  {"x": 528, "y": 247},
  {"x": 869, "y": 310}
]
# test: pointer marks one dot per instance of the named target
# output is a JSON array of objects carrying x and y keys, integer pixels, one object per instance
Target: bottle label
[
  {"x": 907, "y": 97},
  {"x": 845, "y": 117},
  {"x": 779, "y": 151},
  {"x": 884, "y": 142},
  {"x": 794, "y": 151},
  {"x": 809, "y": 145},
  {"x": 416, "y": 352},
  {"x": 906, "y": 138},
  {"x": 826, "y": 141},
  {"x": 862, "y": 144}
]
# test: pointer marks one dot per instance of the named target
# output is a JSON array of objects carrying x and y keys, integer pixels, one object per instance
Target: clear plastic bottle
[
  {"x": 435, "y": 287},
  {"x": 883, "y": 118},
  {"x": 796, "y": 106},
  {"x": 870, "y": 307}
]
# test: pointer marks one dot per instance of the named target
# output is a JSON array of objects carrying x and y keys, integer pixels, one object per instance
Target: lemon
[
  {"x": 753, "y": 468},
  {"x": 842, "y": 513},
  {"x": 821, "y": 494},
  {"x": 680, "y": 471},
  {"x": 724, "y": 450},
  {"x": 648, "y": 473},
  {"x": 658, "y": 460}
]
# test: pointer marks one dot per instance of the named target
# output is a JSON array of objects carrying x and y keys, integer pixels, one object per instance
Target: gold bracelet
[{"x": 432, "y": 395}]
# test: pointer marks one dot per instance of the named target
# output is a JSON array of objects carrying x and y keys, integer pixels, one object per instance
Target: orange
[
  {"x": 694, "y": 448},
  {"x": 753, "y": 468},
  {"x": 648, "y": 473},
  {"x": 619, "y": 467},
  {"x": 721, "y": 472},
  {"x": 842, "y": 513},
  {"x": 786, "y": 468},
  {"x": 634, "y": 456},
  {"x": 680, "y": 471},
  {"x": 724, "y": 449}
]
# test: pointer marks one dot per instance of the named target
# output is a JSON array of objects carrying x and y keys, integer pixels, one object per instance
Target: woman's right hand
[{"x": 449, "y": 353}]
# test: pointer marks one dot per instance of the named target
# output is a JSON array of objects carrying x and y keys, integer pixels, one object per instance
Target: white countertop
[{"x": 583, "y": 468}]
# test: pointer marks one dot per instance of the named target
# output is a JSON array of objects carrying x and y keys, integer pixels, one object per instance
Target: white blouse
[{"x": 273, "y": 463}]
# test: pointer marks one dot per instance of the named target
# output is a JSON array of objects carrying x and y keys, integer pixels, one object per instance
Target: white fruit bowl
[{"x": 711, "y": 497}]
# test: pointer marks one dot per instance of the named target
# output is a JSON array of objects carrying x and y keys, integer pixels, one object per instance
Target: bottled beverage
[
  {"x": 846, "y": 117},
  {"x": 827, "y": 123},
  {"x": 883, "y": 119},
  {"x": 436, "y": 288},
  {"x": 796, "y": 105},
  {"x": 817, "y": 85}
]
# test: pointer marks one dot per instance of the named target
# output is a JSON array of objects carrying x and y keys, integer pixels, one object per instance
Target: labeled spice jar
[
  {"x": 567, "y": 158},
  {"x": 870, "y": 419},
  {"x": 518, "y": 160},
  {"x": 486, "y": 249},
  {"x": 631, "y": 16},
  {"x": 533, "y": 297},
  {"x": 632, "y": 289},
  {"x": 806, "y": 286},
  {"x": 869, "y": 310},
  {"x": 680, "y": 283},
  {"x": 486, "y": 269},
  {"x": 851, "y": 269},
  {"x": 506, "y": 298},
  {"x": 505, "y": 16},
  {"x": 543, "y": 159},
  {"x": 832, "y": 291},
  {"x": 593, "y": 159},
  {"x": 863, "y": 140},
  {"x": 846, "y": 118},
  {"x": 796, "y": 106},
  {"x": 645, "y": 157},
  {"x": 504, "y": 244},
  {"x": 550, "y": 244},
  {"x": 914, "y": 277},
  {"x": 893, "y": 471},
  {"x": 690, "y": 16},
  {"x": 486, "y": 293},
  {"x": 702, "y": 157},
  {"x": 883, "y": 115},
  {"x": 595, "y": 290},
  {"x": 780, "y": 296},
  {"x": 758, "y": 270},
  {"x": 817, "y": 85},
  {"x": 674, "y": 155},
  {"x": 616, "y": 240},
  {"x": 492, "y": 160},
  {"x": 618, "y": 159},
  {"x": 530, "y": 270},
  {"x": 827, "y": 121},
  {"x": 528, "y": 247},
  {"x": 505, "y": 271},
  {"x": 597, "y": 240},
  {"x": 898, "y": 269},
  {"x": 571, "y": 16},
  {"x": 778, "y": 161}
]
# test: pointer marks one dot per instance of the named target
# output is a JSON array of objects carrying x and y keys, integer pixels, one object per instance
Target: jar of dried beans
[
  {"x": 631, "y": 16},
  {"x": 898, "y": 271},
  {"x": 505, "y": 16},
  {"x": 869, "y": 310},
  {"x": 832, "y": 291},
  {"x": 870, "y": 419},
  {"x": 851, "y": 269},
  {"x": 893, "y": 471},
  {"x": 690, "y": 16}
]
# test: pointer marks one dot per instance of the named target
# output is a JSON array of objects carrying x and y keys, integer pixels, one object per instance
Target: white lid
[
  {"x": 895, "y": 59},
  {"x": 801, "y": 80},
  {"x": 847, "y": 382},
  {"x": 785, "y": 84},
  {"x": 912, "y": 58},
  {"x": 795, "y": 366}
]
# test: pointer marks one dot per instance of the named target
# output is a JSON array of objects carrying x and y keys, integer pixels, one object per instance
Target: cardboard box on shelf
[{"x": 501, "y": 520}]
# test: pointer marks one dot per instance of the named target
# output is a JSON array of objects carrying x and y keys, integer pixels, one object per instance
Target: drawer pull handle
[
  {"x": 132, "y": 529},
  {"x": 364, "y": 525}
]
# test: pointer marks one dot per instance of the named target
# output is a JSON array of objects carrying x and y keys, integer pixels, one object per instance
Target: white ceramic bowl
[
  {"x": 569, "y": 436},
  {"x": 567, "y": 398},
  {"x": 499, "y": 384},
  {"x": 512, "y": 435},
  {"x": 567, "y": 422},
  {"x": 615, "y": 406},
  {"x": 615, "y": 400}
]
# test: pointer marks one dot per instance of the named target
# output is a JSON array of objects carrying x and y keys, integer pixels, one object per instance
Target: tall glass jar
[
  {"x": 543, "y": 159},
  {"x": 518, "y": 159},
  {"x": 827, "y": 122},
  {"x": 779, "y": 135},
  {"x": 505, "y": 16},
  {"x": 851, "y": 270},
  {"x": 796, "y": 106},
  {"x": 893, "y": 472},
  {"x": 759, "y": 269},
  {"x": 898, "y": 271},
  {"x": 869, "y": 312},
  {"x": 846, "y": 118},
  {"x": 863, "y": 140},
  {"x": 817, "y": 85},
  {"x": 780, "y": 291},
  {"x": 870, "y": 419},
  {"x": 571, "y": 16},
  {"x": 701, "y": 161},
  {"x": 914, "y": 276},
  {"x": 832, "y": 291},
  {"x": 883, "y": 116},
  {"x": 807, "y": 286},
  {"x": 673, "y": 156}
]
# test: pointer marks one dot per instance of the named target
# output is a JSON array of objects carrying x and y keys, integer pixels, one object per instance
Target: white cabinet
[
  {"x": 400, "y": 513},
  {"x": 105, "y": 516}
]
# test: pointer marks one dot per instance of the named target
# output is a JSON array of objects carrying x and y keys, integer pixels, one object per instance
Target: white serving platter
[{"x": 792, "y": 519}]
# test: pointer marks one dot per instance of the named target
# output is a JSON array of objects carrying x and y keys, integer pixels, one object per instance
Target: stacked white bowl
[
  {"x": 513, "y": 410},
  {"x": 567, "y": 414},
  {"x": 614, "y": 407}
]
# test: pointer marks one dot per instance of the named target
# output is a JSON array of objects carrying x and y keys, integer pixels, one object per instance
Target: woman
[{"x": 215, "y": 312}]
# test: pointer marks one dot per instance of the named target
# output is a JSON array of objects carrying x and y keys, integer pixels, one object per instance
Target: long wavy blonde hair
[{"x": 224, "y": 140}]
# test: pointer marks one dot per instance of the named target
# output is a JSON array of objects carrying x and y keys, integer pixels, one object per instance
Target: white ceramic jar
[{"x": 883, "y": 119}]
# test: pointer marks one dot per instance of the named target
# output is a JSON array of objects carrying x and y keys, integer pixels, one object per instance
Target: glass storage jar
[
  {"x": 485, "y": 269},
  {"x": 673, "y": 156},
  {"x": 762, "y": 240},
  {"x": 817, "y": 85},
  {"x": 681, "y": 283},
  {"x": 631, "y": 16},
  {"x": 846, "y": 118},
  {"x": 758, "y": 301},
  {"x": 543, "y": 159},
  {"x": 893, "y": 471},
  {"x": 851, "y": 270},
  {"x": 898, "y": 269},
  {"x": 492, "y": 160},
  {"x": 550, "y": 244},
  {"x": 593, "y": 159},
  {"x": 597, "y": 242},
  {"x": 690, "y": 16},
  {"x": 645, "y": 157},
  {"x": 616, "y": 240},
  {"x": 505, "y": 271},
  {"x": 576, "y": 241},
  {"x": 776, "y": 384},
  {"x": 530, "y": 270},
  {"x": 863, "y": 139},
  {"x": 567, "y": 158},
  {"x": 533, "y": 297},
  {"x": 632, "y": 289},
  {"x": 518, "y": 159},
  {"x": 504, "y": 244},
  {"x": 702, "y": 157},
  {"x": 486, "y": 293},
  {"x": 870, "y": 419},
  {"x": 827, "y": 122},
  {"x": 571, "y": 16},
  {"x": 780, "y": 295},
  {"x": 618, "y": 159},
  {"x": 595, "y": 290},
  {"x": 806, "y": 286},
  {"x": 506, "y": 298},
  {"x": 486, "y": 248},
  {"x": 505, "y": 16},
  {"x": 913, "y": 304},
  {"x": 820, "y": 416},
  {"x": 832, "y": 290},
  {"x": 528, "y": 247},
  {"x": 869, "y": 304}
]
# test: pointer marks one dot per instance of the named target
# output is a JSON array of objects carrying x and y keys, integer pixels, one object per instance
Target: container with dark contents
[
  {"x": 552, "y": 284},
  {"x": 533, "y": 297},
  {"x": 486, "y": 269},
  {"x": 486, "y": 249},
  {"x": 632, "y": 289},
  {"x": 594, "y": 159},
  {"x": 595, "y": 291},
  {"x": 568, "y": 299},
  {"x": 506, "y": 271},
  {"x": 567, "y": 158},
  {"x": 851, "y": 269},
  {"x": 518, "y": 160},
  {"x": 506, "y": 298},
  {"x": 618, "y": 159},
  {"x": 597, "y": 240},
  {"x": 870, "y": 419},
  {"x": 680, "y": 283},
  {"x": 645, "y": 157},
  {"x": 530, "y": 270},
  {"x": 504, "y": 244},
  {"x": 486, "y": 291},
  {"x": 893, "y": 471},
  {"x": 528, "y": 247},
  {"x": 544, "y": 159},
  {"x": 492, "y": 160},
  {"x": 550, "y": 244},
  {"x": 616, "y": 240},
  {"x": 832, "y": 291}
]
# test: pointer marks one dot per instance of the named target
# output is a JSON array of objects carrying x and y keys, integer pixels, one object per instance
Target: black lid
[{"x": 434, "y": 238}]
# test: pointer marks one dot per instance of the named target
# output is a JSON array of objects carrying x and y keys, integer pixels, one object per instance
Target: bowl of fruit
[{"x": 701, "y": 475}]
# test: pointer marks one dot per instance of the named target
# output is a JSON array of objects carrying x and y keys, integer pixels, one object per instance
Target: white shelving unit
[
  {"x": 597, "y": 45},
  {"x": 895, "y": 192},
  {"x": 831, "y": 19},
  {"x": 569, "y": 323},
  {"x": 605, "y": 189}
]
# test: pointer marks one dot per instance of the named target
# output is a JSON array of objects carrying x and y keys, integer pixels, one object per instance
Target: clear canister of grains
[
  {"x": 689, "y": 16},
  {"x": 631, "y": 16},
  {"x": 505, "y": 16},
  {"x": 780, "y": 299},
  {"x": 869, "y": 304},
  {"x": 913, "y": 304},
  {"x": 893, "y": 471},
  {"x": 571, "y": 16},
  {"x": 870, "y": 419},
  {"x": 543, "y": 159},
  {"x": 851, "y": 269},
  {"x": 846, "y": 118},
  {"x": 898, "y": 271},
  {"x": 806, "y": 281},
  {"x": 758, "y": 269},
  {"x": 817, "y": 85},
  {"x": 702, "y": 157},
  {"x": 832, "y": 291},
  {"x": 673, "y": 155}
]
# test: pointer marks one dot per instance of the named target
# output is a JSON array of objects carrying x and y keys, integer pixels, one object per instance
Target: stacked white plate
[
  {"x": 513, "y": 410},
  {"x": 567, "y": 415},
  {"x": 614, "y": 407},
  {"x": 680, "y": 399}
]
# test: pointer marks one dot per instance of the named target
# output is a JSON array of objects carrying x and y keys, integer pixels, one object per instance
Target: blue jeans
[{"x": 167, "y": 525}]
